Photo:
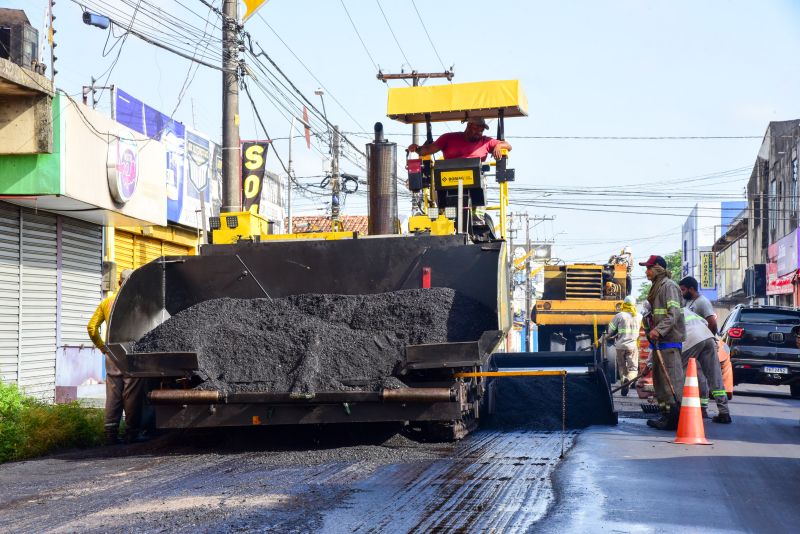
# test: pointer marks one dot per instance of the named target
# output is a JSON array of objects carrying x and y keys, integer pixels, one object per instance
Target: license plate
[{"x": 776, "y": 370}]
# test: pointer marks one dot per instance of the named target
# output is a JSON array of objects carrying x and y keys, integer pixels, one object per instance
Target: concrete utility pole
[
  {"x": 528, "y": 299},
  {"x": 231, "y": 179},
  {"x": 336, "y": 186},
  {"x": 415, "y": 77},
  {"x": 51, "y": 38}
]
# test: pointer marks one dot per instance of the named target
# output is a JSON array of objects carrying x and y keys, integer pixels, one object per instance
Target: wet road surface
[{"x": 631, "y": 478}]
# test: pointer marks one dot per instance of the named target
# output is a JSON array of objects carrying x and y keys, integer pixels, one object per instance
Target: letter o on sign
[{"x": 251, "y": 186}]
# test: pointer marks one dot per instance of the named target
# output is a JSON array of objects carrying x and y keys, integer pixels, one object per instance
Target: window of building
[
  {"x": 773, "y": 205},
  {"x": 5, "y": 43}
]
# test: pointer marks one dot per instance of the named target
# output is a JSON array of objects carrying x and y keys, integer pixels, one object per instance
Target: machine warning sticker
[{"x": 451, "y": 178}]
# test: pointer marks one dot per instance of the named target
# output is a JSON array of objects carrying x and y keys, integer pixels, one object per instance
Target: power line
[
  {"x": 262, "y": 53},
  {"x": 163, "y": 27},
  {"x": 170, "y": 48},
  {"x": 428, "y": 35},
  {"x": 327, "y": 91},
  {"x": 359, "y": 36},
  {"x": 392, "y": 32}
]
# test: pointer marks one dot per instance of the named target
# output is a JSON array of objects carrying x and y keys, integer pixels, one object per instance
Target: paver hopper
[
  {"x": 276, "y": 269},
  {"x": 550, "y": 390}
]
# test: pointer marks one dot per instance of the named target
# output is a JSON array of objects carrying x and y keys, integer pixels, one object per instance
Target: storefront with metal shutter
[
  {"x": 132, "y": 248},
  {"x": 81, "y": 276},
  {"x": 50, "y": 274},
  {"x": 9, "y": 293}
]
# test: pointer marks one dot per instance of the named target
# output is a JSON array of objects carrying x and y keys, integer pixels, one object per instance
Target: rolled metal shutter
[
  {"x": 9, "y": 292},
  {"x": 81, "y": 278},
  {"x": 37, "y": 371},
  {"x": 174, "y": 249},
  {"x": 146, "y": 249},
  {"x": 123, "y": 250}
]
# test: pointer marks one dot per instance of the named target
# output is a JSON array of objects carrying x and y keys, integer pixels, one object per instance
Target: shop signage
[
  {"x": 707, "y": 270},
  {"x": 122, "y": 169},
  {"x": 192, "y": 163},
  {"x": 786, "y": 254},
  {"x": 254, "y": 156},
  {"x": 777, "y": 284}
]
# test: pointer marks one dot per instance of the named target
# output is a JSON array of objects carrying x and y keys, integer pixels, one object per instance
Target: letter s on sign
[{"x": 254, "y": 157}]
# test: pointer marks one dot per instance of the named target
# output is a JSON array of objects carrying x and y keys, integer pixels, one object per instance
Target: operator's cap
[
  {"x": 477, "y": 120},
  {"x": 654, "y": 260}
]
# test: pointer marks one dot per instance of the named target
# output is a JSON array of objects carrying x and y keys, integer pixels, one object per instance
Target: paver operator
[
  {"x": 122, "y": 394},
  {"x": 701, "y": 345},
  {"x": 624, "y": 330},
  {"x": 471, "y": 143},
  {"x": 667, "y": 332}
]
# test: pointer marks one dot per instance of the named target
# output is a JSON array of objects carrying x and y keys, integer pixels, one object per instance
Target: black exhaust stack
[{"x": 382, "y": 183}]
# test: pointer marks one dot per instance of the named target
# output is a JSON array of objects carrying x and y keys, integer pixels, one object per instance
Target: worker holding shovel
[{"x": 667, "y": 333}]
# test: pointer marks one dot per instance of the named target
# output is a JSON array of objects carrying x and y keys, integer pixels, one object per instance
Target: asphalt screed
[{"x": 315, "y": 342}]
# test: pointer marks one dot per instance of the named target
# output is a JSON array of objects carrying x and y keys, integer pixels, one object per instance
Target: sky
[{"x": 594, "y": 68}]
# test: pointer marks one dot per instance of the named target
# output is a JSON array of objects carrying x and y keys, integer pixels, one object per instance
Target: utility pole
[
  {"x": 336, "y": 226},
  {"x": 415, "y": 77},
  {"x": 51, "y": 38},
  {"x": 231, "y": 179},
  {"x": 528, "y": 299}
]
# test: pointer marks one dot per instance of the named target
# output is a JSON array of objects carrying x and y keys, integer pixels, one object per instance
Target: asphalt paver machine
[{"x": 448, "y": 246}]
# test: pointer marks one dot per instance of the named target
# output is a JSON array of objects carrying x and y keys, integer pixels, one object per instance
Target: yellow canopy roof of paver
[{"x": 457, "y": 101}]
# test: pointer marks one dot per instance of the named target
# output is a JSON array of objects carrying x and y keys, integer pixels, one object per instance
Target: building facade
[
  {"x": 705, "y": 224},
  {"x": 773, "y": 201},
  {"x": 730, "y": 250},
  {"x": 66, "y": 173}
]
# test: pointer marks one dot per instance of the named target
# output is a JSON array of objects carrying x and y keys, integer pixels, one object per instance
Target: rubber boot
[
  {"x": 661, "y": 423},
  {"x": 704, "y": 411},
  {"x": 668, "y": 419},
  {"x": 673, "y": 416},
  {"x": 624, "y": 391},
  {"x": 723, "y": 418}
]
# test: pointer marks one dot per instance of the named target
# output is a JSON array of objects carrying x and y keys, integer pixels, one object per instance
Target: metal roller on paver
[{"x": 333, "y": 327}]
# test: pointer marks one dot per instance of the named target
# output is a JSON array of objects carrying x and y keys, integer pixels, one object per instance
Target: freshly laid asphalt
[{"x": 632, "y": 478}]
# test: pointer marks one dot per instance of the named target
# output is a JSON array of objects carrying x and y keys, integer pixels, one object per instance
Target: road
[
  {"x": 628, "y": 478},
  {"x": 631, "y": 478}
]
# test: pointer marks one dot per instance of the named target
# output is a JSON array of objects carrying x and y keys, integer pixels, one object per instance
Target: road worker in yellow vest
[
  {"x": 122, "y": 394},
  {"x": 624, "y": 330}
]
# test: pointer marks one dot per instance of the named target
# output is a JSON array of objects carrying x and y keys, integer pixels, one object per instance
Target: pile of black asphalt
[{"x": 315, "y": 342}]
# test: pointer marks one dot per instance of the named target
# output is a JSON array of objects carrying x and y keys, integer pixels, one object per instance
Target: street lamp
[{"x": 320, "y": 93}]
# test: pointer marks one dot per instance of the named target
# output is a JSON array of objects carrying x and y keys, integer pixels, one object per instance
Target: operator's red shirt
[{"x": 455, "y": 145}]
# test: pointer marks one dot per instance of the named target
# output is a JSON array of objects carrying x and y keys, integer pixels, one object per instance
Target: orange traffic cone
[{"x": 690, "y": 424}]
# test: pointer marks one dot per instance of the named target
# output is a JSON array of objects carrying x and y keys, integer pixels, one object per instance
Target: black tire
[{"x": 794, "y": 390}]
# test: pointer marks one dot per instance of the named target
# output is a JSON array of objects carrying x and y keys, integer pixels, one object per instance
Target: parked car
[{"x": 765, "y": 345}]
